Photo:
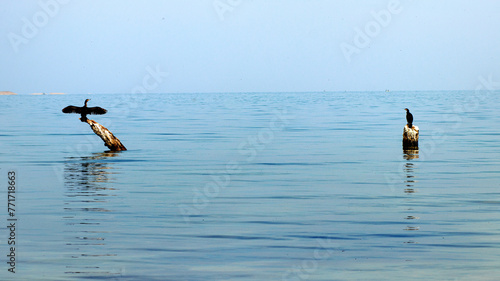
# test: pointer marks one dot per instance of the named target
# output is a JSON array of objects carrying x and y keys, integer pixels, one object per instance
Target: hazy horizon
[{"x": 209, "y": 46}]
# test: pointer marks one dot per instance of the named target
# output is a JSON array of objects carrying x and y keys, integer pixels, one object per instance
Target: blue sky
[{"x": 119, "y": 46}]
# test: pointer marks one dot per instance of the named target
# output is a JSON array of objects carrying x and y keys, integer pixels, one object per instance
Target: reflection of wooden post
[
  {"x": 410, "y": 137},
  {"x": 109, "y": 139}
]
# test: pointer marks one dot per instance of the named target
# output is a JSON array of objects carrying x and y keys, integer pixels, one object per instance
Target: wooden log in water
[
  {"x": 410, "y": 137},
  {"x": 109, "y": 139}
]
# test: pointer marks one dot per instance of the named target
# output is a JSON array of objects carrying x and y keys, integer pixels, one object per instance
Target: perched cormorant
[
  {"x": 84, "y": 110},
  {"x": 409, "y": 118}
]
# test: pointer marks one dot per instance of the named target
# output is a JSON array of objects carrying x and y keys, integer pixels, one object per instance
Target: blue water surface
[{"x": 254, "y": 186}]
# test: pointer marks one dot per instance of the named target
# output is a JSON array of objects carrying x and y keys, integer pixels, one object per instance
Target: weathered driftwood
[
  {"x": 109, "y": 139},
  {"x": 410, "y": 137}
]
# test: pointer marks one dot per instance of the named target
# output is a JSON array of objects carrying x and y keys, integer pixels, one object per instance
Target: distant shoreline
[
  {"x": 9, "y": 93},
  {"x": 42, "y": 94}
]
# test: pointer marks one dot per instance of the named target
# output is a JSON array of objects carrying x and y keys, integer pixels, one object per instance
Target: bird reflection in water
[
  {"x": 409, "y": 169},
  {"x": 87, "y": 191}
]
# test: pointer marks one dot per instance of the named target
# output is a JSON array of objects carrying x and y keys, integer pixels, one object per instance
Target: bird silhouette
[
  {"x": 84, "y": 110},
  {"x": 409, "y": 118}
]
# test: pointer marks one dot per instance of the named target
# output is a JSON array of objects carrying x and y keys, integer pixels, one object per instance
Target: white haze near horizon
[{"x": 156, "y": 46}]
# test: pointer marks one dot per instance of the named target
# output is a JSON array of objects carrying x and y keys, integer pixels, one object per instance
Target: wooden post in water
[
  {"x": 410, "y": 137},
  {"x": 109, "y": 139}
]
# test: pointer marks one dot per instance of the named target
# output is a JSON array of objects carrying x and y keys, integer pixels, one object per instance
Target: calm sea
[{"x": 252, "y": 186}]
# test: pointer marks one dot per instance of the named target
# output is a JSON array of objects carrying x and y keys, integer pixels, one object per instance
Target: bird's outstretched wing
[
  {"x": 72, "y": 109},
  {"x": 96, "y": 110}
]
